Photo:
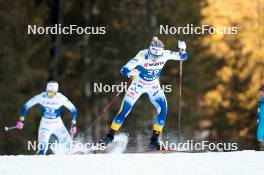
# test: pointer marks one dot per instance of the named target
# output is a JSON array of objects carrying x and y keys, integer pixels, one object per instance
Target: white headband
[{"x": 52, "y": 86}]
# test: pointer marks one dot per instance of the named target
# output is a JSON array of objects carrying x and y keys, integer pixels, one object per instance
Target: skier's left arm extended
[
  {"x": 181, "y": 55},
  {"x": 68, "y": 104}
]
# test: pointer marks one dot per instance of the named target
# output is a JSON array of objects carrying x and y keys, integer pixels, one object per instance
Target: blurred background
[{"x": 220, "y": 82}]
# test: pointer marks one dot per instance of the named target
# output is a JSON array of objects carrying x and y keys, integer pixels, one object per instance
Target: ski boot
[
  {"x": 108, "y": 138},
  {"x": 154, "y": 142}
]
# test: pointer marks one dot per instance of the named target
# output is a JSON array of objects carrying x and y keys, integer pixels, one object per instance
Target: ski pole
[
  {"x": 71, "y": 144},
  {"x": 180, "y": 97},
  {"x": 107, "y": 106},
  {"x": 10, "y": 128}
]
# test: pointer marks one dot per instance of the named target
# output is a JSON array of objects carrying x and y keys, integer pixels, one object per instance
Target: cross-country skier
[
  {"x": 50, "y": 103},
  {"x": 145, "y": 69},
  {"x": 260, "y": 131}
]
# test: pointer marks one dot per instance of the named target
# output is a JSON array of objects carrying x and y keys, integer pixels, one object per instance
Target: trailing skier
[
  {"x": 145, "y": 69},
  {"x": 50, "y": 103}
]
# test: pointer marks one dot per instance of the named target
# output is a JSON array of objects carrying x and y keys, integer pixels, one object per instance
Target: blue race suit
[
  {"x": 51, "y": 122},
  {"x": 146, "y": 82},
  {"x": 260, "y": 131}
]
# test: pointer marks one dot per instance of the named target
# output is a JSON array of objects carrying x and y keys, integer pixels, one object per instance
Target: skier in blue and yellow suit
[
  {"x": 145, "y": 69},
  {"x": 260, "y": 131}
]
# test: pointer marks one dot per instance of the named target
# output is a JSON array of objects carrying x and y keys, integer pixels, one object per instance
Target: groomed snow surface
[{"x": 228, "y": 163}]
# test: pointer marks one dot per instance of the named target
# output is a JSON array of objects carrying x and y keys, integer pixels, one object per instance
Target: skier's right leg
[
  {"x": 131, "y": 96},
  {"x": 43, "y": 137}
]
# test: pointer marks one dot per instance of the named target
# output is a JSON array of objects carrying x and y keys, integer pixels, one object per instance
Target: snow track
[{"x": 240, "y": 163}]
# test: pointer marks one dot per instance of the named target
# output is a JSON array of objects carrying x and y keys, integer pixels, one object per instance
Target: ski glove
[
  {"x": 182, "y": 45},
  {"x": 133, "y": 73},
  {"x": 20, "y": 123},
  {"x": 73, "y": 128}
]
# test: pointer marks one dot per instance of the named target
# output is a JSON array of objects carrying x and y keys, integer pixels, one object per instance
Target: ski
[
  {"x": 117, "y": 146},
  {"x": 164, "y": 151}
]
